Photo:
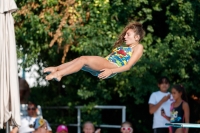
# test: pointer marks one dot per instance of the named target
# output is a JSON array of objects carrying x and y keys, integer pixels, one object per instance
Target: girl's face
[
  {"x": 176, "y": 95},
  {"x": 126, "y": 129},
  {"x": 131, "y": 38}
]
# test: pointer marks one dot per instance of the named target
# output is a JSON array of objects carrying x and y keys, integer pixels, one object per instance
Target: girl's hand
[
  {"x": 164, "y": 115},
  {"x": 105, "y": 73}
]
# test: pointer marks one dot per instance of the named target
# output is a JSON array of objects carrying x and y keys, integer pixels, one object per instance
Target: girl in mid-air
[
  {"x": 121, "y": 59},
  {"x": 179, "y": 109}
]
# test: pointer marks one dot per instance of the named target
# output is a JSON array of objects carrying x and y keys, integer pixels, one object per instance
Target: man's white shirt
[{"x": 158, "y": 120}]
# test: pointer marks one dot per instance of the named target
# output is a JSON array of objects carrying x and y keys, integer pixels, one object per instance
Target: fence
[{"x": 78, "y": 124}]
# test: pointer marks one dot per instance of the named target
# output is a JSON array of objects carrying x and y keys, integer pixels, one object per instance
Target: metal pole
[
  {"x": 7, "y": 127},
  {"x": 79, "y": 120},
  {"x": 123, "y": 114}
]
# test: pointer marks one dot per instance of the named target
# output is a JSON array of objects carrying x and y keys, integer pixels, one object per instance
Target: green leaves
[{"x": 84, "y": 93}]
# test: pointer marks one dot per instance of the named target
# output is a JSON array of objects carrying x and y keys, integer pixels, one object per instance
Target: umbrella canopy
[{"x": 9, "y": 86}]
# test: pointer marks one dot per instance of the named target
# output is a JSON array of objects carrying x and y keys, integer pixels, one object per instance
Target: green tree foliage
[{"x": 51, "y": 32}]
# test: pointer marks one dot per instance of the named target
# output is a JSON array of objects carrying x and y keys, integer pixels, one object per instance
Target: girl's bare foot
[
  {"x": 54, "y": 76},
  {"x": 50, "y": 69}
]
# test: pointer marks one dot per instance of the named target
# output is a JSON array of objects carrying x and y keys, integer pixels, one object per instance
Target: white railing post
[
  {"x": 123, "y": 114},
  {"x": 79, "y": 120}
]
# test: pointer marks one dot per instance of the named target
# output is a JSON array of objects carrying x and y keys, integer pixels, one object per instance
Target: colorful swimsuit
[{"x": 119, "y": 56}]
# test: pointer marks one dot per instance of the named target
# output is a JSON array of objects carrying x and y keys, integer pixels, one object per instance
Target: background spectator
[
  {"x": 126, "y": 127},
  {"x": 159, "y": 101},
  {"x": 88, "y": 127},
  {"x": 27, "y": 122},
  {"x": 41, "y": 126},
  {"x": 62, "y": 129}
]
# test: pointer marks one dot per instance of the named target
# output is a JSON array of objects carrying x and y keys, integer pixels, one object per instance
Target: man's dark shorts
[{"x": 161, "y": 130}]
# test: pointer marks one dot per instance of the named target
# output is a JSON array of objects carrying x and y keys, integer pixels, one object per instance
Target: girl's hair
[
  {"x": 181, "y": 89},
  {"x": 136, "y": 27},
  {"x": 126, "y": 122},
  {"x": 163, "y": 79}
]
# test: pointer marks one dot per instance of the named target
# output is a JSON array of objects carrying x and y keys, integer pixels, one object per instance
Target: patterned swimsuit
[{"x": 119, "y": 56}]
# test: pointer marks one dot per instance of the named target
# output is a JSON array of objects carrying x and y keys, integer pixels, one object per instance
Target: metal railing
[{"x": 78, "y": 124}]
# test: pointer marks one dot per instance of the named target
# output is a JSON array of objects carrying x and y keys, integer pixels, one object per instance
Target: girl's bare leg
[
  {"x": 60, "y": 67},
  {"x": 179, "y": 130},
  {"x": 93, "y": 62}
]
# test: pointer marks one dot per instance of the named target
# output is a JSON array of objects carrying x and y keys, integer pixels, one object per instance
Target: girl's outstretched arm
[
  {"x": 186, "y": 114},
  {"x": 138, "y": 51}
]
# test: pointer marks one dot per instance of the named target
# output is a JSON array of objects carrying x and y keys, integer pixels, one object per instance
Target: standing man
[{"x": 160, "y": 101}]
